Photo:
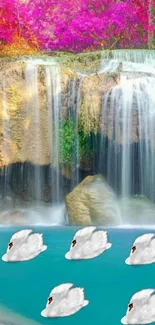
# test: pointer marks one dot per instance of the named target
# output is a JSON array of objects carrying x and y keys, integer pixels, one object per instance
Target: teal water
[{"x": 108, "y": 282}]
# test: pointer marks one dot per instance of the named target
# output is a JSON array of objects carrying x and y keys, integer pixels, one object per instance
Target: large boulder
[{"x": 93, "y": 202}]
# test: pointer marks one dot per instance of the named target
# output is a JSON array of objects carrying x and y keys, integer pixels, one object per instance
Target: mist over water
[{"x": 42, "y": 214}]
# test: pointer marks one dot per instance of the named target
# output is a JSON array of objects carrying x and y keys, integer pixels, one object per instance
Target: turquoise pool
[{"x": 108, "y": 282}]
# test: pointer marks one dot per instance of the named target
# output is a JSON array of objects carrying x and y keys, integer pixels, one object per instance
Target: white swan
[
  {"x": 141, "y": 308},
  {"x": 64, "y": 301},
  {"x": 88, "y": 243},
  {"x": 142, "y": 251},
  {"x": 24, "y": 246}
]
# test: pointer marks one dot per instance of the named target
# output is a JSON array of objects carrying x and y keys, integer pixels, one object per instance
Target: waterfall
[
  {"x": 6, "y": 132},
  {"x": 54, "y": 102},
  {"x": 35, "y": 175},
  {"x": 46, "y": 155},
  {"x": 31, "y": 82},
  {"x": 45, "y": 167},
  {"x": 136, "y": 56},
  {"x": 55, "y": 111},
  {"x": 128, "y": 61},
  {"x": 129, "y": 111},
  {"x": 74, "y": 95}
]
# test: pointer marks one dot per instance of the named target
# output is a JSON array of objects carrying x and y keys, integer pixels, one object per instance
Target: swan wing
[
  {"x": 75, "y": 297},
  {"x": 22, "y": 234},
  {"x": 35, "y": 241},
  {"x": 32, "y": 246},
  {"x": 62, "y": 288},
  {"x": 143, "y": 294},
  {"x": 144, "y": 238},
  {"x": 99, "y": 239},
  {"x": 87, "y": 231}
]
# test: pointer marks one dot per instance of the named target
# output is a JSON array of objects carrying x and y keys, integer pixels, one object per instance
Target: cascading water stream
[
  {"x": 54, "y": 102},
  {"x": 32, "y": 175},
  {"x": 126, "y": 142},
  {"x": 52, "y": 77},
  {"x": 75, "y": 89},
  {"x": 129, "y": 109},
  {"x": 54, "y": 120},
  {"x": 146, "y": 116},
  {"x": 5, "y": 132},
  {"x": 31, "y": 80},
  {"x": 127, "y": 152},
  {"x": 128, "y": 61},
  {"x": 135, "y": 56}
]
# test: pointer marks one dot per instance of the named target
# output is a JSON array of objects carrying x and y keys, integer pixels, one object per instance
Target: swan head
[
  {"x": 54, "y": 299},
  {"x": 14, "y": 245},
  {"x": 75, "y": 249},
  {"x": 64, "y": 300},
  {"x": 138, "y": 311},
  {"x": 78, "y": 242},
  {"x": 56, "y": 295},
  {"x": 11, "y": 251},
  {"x": 51, "y": 303},
  {"x": 17, "y": 251},
  {"x": 138, "y": 250}
]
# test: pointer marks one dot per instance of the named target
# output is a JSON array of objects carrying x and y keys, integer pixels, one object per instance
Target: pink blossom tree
[{"x": 77, "y": 25}]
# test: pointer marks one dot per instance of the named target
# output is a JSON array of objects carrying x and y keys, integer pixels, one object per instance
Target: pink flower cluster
[{"x": 79, "y": 25}]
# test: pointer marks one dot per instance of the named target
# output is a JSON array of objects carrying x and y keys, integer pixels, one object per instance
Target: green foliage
[
  {"x": 85, "y": 145},
  {"x": 67, "y": 141},
  {"x": 70, "y": 142}
]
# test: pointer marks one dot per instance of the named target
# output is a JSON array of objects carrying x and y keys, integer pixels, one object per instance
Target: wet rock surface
[{"x": 27, "y": 131}]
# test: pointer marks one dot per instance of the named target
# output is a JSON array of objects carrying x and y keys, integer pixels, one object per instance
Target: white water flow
[
  {"x": 137, "y": 56},
  {"x": 129, "y": 109},
  {"x": 127, "y": 153},
  {"x": 34, "y": 211},
  {"x": 74, "y": 96},
  {"x": 54, "y": 103},
  {"x": 6, "y": 134},
  {"x": 142, "y": 61},
  {"x": 31, "y": 79}
]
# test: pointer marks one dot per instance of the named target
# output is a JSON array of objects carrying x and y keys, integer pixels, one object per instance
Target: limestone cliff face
[
  {"x": 20, "y": 122},
  {"x": 28, "y": 93},
  {"x": 92, "y": 91}
]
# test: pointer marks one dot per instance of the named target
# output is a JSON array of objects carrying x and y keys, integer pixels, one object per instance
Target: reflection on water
[{"x": 8, "y": 317}]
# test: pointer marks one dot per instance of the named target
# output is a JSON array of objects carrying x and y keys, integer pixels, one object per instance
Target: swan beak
[
  {"x": 4, "y": 258},
  {"x": 124, "y": 320},
  {"x": 68, "y": 256},
  {"x": 43, "y": 313},
  {"x": 127, "y": 261}
]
